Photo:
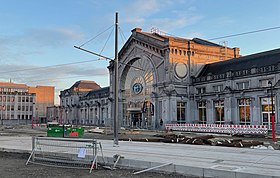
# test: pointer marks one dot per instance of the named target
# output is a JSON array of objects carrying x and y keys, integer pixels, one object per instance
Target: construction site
[{"x": 34, "y": 154}]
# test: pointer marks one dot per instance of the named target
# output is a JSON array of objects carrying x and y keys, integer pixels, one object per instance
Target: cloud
[
  {"x": 169, "y": 24},
  {"x": 162, "y": 14},
  {"x": 51, "y": 37},
  {"x": 36, "y": 41},
  {"x": 139, "y": 10},
  {"x": 143, "y": 8},
  {"x": 34, "y": 75}
]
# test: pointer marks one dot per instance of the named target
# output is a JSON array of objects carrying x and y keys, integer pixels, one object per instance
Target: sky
[{"x": 37, "y": 37}]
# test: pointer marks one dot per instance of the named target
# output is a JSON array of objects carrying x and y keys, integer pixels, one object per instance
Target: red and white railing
[{"x": 219, "y": 128}]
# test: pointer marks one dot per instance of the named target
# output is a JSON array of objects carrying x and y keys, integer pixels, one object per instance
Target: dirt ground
[{"x": 13, "y": 165}]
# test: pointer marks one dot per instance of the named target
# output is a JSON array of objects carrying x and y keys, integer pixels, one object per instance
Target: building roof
[
  {"x": 163, "y": 40},
  {"x": 14, "y": 85},
  {"x": 99, "y": 92},
  {"x": 166, "y": 37},
  {"x": 85, "y": 85},
  {"x": 242, "y": 63}
]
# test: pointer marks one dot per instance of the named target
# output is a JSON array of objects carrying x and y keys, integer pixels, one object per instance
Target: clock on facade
[{"x": 137, "y": 88}]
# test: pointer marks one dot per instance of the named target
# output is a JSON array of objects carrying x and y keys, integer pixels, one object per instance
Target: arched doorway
[{"x": 137, "y": 86}]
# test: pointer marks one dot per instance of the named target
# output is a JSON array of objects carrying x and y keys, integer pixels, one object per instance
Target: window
[
  {"x": 180, "y": 112},
  {"x": 244, "y": 111},
  {"x": 219, "y": 112},
  {"x": 201, "y": 90},
  {"x": 218, "y": 88},
  {"x": 267, "y": 110},
  {"x": 243, "y": 85},
  {"x": 202, "y": 112},
  {"x": 264, "y": 83}
]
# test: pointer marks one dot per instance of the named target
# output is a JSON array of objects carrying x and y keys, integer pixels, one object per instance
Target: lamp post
[
  {"x": 32, "y": 117},
  {"x": 272, "y": 113},
  {"x": 1, "y": 114}
]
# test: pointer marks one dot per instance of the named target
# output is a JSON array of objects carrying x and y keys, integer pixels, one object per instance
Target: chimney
[
  {"x": 136, "y": 30},
  {"x": 236, "y": 52}
]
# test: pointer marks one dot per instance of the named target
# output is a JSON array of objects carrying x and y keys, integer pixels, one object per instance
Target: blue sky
[{"x": 40, "y": 33}]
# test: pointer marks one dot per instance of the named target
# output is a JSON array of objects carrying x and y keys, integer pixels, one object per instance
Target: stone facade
[
  {"x": 156, "y": 75},
  {"x": 165, "y": 80},
  {"x": 85, "y": 103}
]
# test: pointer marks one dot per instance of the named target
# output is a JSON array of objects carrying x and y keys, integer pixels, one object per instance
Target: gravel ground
[{"x": 13, "y": 166}]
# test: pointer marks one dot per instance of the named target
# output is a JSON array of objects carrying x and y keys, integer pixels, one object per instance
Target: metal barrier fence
[{"x": 64, "y": 152}]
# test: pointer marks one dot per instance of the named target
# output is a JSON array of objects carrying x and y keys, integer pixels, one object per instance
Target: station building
[
  {"x": 164, "y": 79},
  {"x": 84, "y": 103}
]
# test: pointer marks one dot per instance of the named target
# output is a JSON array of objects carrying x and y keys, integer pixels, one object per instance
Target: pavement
[{"x": 196, "y": 160}]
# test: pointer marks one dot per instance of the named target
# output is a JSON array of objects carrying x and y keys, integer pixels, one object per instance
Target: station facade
[{"x": 164, "y": 79}]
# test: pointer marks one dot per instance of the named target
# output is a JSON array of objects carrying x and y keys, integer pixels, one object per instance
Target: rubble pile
[{"x": 210, "y": 140}]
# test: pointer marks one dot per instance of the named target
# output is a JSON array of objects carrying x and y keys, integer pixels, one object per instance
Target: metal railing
[{"x": 64, "y": 152}]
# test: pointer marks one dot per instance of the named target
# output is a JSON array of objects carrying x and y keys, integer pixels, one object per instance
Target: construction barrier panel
[
  {"x": 64, "y": 152},
  {"x": 220, "y": 128}
]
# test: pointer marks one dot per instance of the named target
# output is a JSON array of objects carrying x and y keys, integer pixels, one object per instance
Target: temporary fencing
[
  {"x": 65, "y": 152},
  {"x": 220, "y": 128}
]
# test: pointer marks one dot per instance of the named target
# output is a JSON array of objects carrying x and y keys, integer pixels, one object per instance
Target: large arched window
[{"x": 138, "y": 80}]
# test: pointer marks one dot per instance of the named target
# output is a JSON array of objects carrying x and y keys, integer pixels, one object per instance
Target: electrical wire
[
  {"x": 106, "y": 41},
  {"x": 96, "y": 36},
  {"x": 122, "y": 36},
  {"x": 246, "y": 33},
  {"x": 234, "y": 35},
  {"x": 60, "y": 65},
  {"x": 59, "y": 78},
  {"x": 45, "y": 67}
]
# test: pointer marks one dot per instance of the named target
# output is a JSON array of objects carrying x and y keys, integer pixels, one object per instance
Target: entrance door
[{"x": 136, "y": 119}]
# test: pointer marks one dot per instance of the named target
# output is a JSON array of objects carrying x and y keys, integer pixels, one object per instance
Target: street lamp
[
  {"x": 272, "y": 113},
  {"x": 1, "y": 107}
]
